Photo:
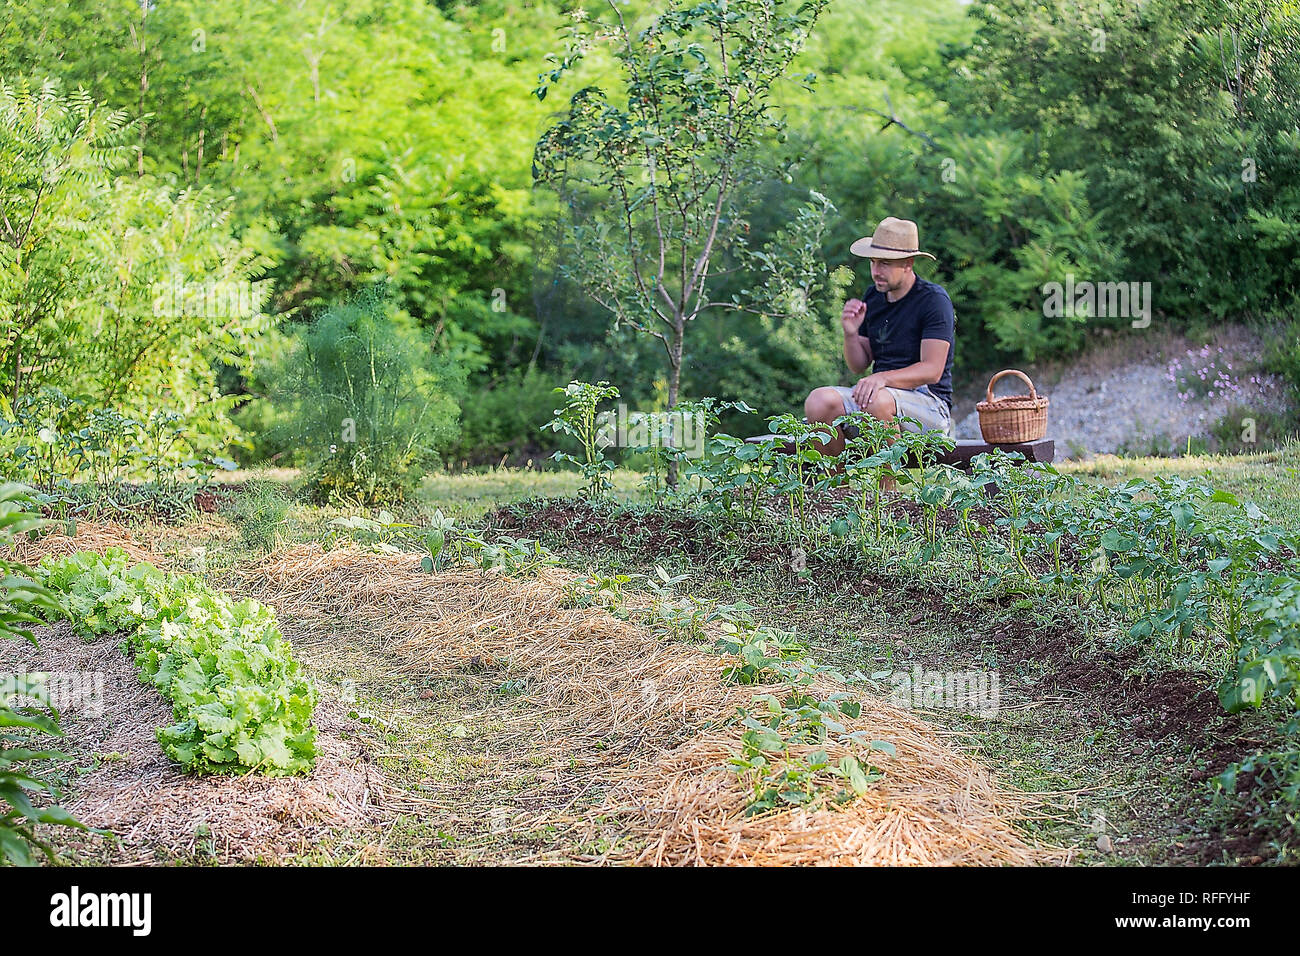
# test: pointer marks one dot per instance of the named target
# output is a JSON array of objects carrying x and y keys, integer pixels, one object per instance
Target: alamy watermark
[
  {"x": 127, "y": 910},
  {"x": 1125, "y": 300},
  {"x": 214, "y": 299},
  {"x": 675, "y": 429},
  {"x": 80, "y": 692},
  {"x": 919, "y": 689}
]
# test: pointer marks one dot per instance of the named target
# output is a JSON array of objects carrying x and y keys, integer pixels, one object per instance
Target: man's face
[{"x": 889, "y": 275}]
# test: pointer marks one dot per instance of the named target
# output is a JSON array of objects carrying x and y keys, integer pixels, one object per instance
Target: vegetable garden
[{"x": 699, "y": 672}]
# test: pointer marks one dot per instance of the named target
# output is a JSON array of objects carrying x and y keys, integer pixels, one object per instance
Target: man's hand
[
  {"x": 851, "y": 318},
  {"x": 867, "y": 388}
]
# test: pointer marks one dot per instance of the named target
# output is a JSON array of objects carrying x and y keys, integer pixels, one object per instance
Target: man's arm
[
  {"x": 857, "y": 348},
  {"x": 928, "y": 371}
]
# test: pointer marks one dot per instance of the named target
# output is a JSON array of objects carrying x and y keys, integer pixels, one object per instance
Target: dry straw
[
  {"x": 648, "y": 719},
  {"x": 151, "y": 809},
  {"x": 156, "y": 812},
  {"x": 639, "y": 724},
  {"x": 97, "y": 536}
]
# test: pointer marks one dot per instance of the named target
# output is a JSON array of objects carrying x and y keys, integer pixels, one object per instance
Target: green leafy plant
[
  {"x": 54, "y": 441},
  {"x": 435, "y": 541},
  {"x": 381, "y": 533},
  {"x": 508, "y": 554},
  {"x": 259, "y": 509},
  {"x": 668, "y": 452},
  {"x": 240, "y": 701},
  {"x": 368, "y": 402},
  {"x": 782, "y": 757},
  {"x": 804, "y": 468},
  {"x": 20, "y": 761},
  {"x": 578, "y": 419}
]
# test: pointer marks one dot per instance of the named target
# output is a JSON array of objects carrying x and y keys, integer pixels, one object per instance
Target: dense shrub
[
  {"x": 1181, "y": 117},
  {"x": 367, "y": 402},
  {"x": 117, "y": 286},
  {"x": 499, "y": 417}
]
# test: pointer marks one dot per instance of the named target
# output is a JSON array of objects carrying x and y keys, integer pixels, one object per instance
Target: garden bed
[
  {"x": 642, "y": 724},
  {"x": 118, "y": 780}
]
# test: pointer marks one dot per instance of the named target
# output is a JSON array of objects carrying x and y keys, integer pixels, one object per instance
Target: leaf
[
  {"x": 852, "y": 771},
  {"x": 1114, "y": 540}
]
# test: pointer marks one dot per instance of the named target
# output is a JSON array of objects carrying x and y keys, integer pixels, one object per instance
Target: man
[{"x": 903, "y": 327}]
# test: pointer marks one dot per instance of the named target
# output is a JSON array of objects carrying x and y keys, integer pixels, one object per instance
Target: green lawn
[{"x": 1270, "y": 479}]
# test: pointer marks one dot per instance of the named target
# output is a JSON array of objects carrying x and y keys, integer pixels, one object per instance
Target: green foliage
[
  {"x": 376, "y": 140},
  {"x": 510, "y": 555},
  {"x": 1282, "y": 358},
  {"x": 782, "y": 755},
  {"x": 435, "y": 542},
  {"x": 182, "y": 295},
  {"x": 781, "y": 758},
  {"x": 497, "y": 418},
  {"x": 577, "y": 419},
  {"x": 20, "y": 778},
  {"x": 1189, "y": 570},
  {"x": 368, "y": 402},
  {"x": 259, "y": 509},
  {"x": 240, "y": 701},
  {"x": 1177, "y": 116},
  {"x": 52, "y": 441},
  {"x": 1268, "y": 658},
  {"x": 383, "y": 532},
  {"x": 665, "y": 178},
  {"x": 444, "y": 544},
  {"x": 666, "y": 450}
]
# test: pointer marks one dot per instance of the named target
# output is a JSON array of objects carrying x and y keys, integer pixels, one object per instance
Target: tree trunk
[{"x": 674, "y": 385}]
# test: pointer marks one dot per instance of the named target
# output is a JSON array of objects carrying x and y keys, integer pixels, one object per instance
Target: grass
[
  {"x": 1270, "y": 479},
  {"x": 467, "y": 495}
]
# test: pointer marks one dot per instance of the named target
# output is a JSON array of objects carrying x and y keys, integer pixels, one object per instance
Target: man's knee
[
  {"x": 823, "y": 405},
  {"x": 882, "y": 406}
]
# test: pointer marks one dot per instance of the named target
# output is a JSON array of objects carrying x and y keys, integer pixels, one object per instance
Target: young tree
[{"x": 657, "y": 188}]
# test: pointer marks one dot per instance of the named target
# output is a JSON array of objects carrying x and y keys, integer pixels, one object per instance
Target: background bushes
[{"x": 1029, "y": 138}]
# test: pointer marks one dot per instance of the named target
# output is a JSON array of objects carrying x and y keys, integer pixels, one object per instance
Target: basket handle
[{"x": 1033, "y": 392}]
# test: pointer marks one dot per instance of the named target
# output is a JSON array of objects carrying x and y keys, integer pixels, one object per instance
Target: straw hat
[{"x": 893, "y": 239}]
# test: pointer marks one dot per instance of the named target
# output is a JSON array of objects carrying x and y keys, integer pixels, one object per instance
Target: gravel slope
[{"x": 1125, "y": 394}]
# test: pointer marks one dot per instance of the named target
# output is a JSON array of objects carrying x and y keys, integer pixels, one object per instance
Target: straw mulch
[
  {"x": 152, "y": 809},
  {"x": 155, "y": 811},
  {"x": 643, "y": 721},
  {"x": 96, "y": 536}
]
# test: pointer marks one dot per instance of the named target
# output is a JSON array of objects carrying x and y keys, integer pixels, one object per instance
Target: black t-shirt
[{"x": 895, "y": 329}]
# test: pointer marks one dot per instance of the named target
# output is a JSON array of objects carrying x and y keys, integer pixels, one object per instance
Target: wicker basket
[{"x": 1013, "y": 418}]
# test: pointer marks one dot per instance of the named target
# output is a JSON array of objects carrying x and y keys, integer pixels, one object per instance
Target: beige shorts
[{"x": 919, "y": 403}]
